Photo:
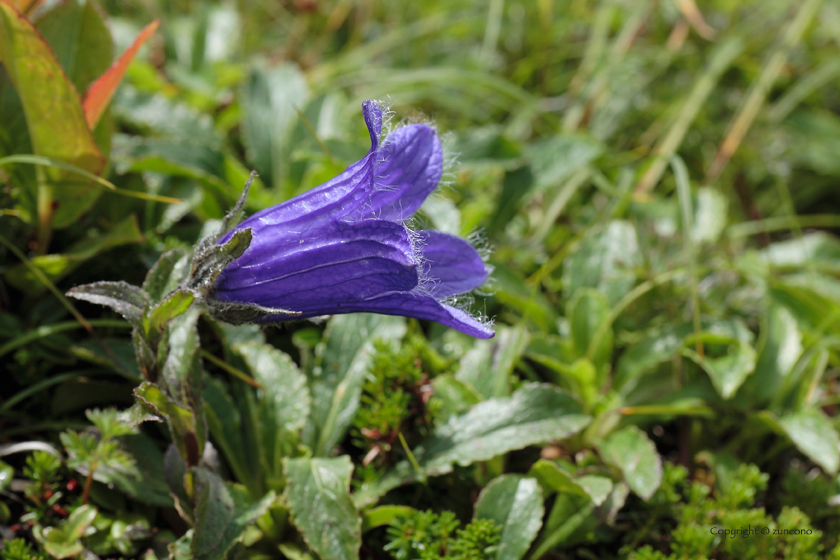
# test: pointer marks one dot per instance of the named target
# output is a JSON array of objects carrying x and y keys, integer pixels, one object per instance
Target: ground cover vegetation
[{"x": 653, "y": 183}]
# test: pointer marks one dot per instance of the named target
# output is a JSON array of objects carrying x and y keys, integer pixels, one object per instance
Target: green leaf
[
  {"x": 222, "y": 514},
  {"x": 383, "y": 515},
  {"x": 554, "y": 479},
  {"x": 814, "y": 435},
  {"x": 336, "y": 384},
  {"x": 182, "y": 371},
  {"x": 516, "y": 504},
  {"x": 284, "y": 387},
  {"x": 284, "y": 404},
  {"x": 318, "y": 494},
  {"x": 635, "y": 455},
  {"x": 166, "y": 274},
  {"x": 80, "y": 39},
  {"x": 656, "y": 348},
  {"x": 782, "y": 348},
  {"x": 210, "y": 260},
  {"x": 587, "y": 311},
  {"x": 127, "y": 300},
  {"x": 57, "y": 266},
  {"x": 269, "y": 99},
  {"x": 727, "y": 372},
  {"x": 150, "y": 486},
  {"x": 224, "y": 421},
  {"x": 515, "y": 185},
  {"x": 180, "y": 549},
  {"x": 181, "y": 421},
  {"x": 605, "y": 261},
  {"x": 488, "y": 365},
  {"x": 160, "y": 315},
  {"x": 78, "y": 522},
  {"x": 7, "y": 473},
  {"x": 534, "y": 414},
  {"x": 513, "y": 292},
  {"x": 597, "y": 487},
  {"x": 455, "y": 397},
  {"x": 53, "y": 110},
  {"x": 571, "y": 517}
]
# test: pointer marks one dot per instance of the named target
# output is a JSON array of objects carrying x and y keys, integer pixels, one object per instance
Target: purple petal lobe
[
  {"x": 412, "y": 305},
  {"x": 409, "y": 165},
  {"x": 452, "y": 266},
  {"x": 373, "y": 119}
]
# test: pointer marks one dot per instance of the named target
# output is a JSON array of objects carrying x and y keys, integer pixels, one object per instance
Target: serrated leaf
[
  {"x": 635, "y": 456},
  {"x": 284, "y": 386},
  {"x": 222, "y": 513},
  {"x": 284, "y": 404},
  {"x": 127, "y": 300},
  {"x": 181, "y": 421},
  {"x": 814, "y": 435},
  {"x": 336, "y": 385},
  {"x": 137, "y": 414},
  {"x": 515, "y": 503},
  {"x": 179, "y": 352},
  {"x": 147, "y": 482},
  {"x": 318, "y": 494},
  {"x": 210, "y": 261},
  {"x": 533, "y": 414},
  {"x": 160, "y": 315}
]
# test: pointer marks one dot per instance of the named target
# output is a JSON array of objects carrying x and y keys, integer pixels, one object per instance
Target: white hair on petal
[{"x": 387, "y": 116}]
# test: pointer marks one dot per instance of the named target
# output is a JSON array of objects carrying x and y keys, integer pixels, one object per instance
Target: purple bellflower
[{"x": 343, "y": 247}]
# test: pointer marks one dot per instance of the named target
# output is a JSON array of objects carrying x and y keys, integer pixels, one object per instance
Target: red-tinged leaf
[
  {"x": 53, "y": 110},
  {"x": 100, "y": 92},
  {"x": 26, "y": 6}
]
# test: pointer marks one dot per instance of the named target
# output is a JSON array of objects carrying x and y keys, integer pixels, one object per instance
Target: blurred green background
[{"x": 653, "y": 181}]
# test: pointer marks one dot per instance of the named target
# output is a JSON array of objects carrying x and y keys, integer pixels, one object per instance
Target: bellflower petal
[
  {"x": 343, "y": 247},
  {"x": 348, "y": 262},
  {"x": 452, "y": 264}
]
